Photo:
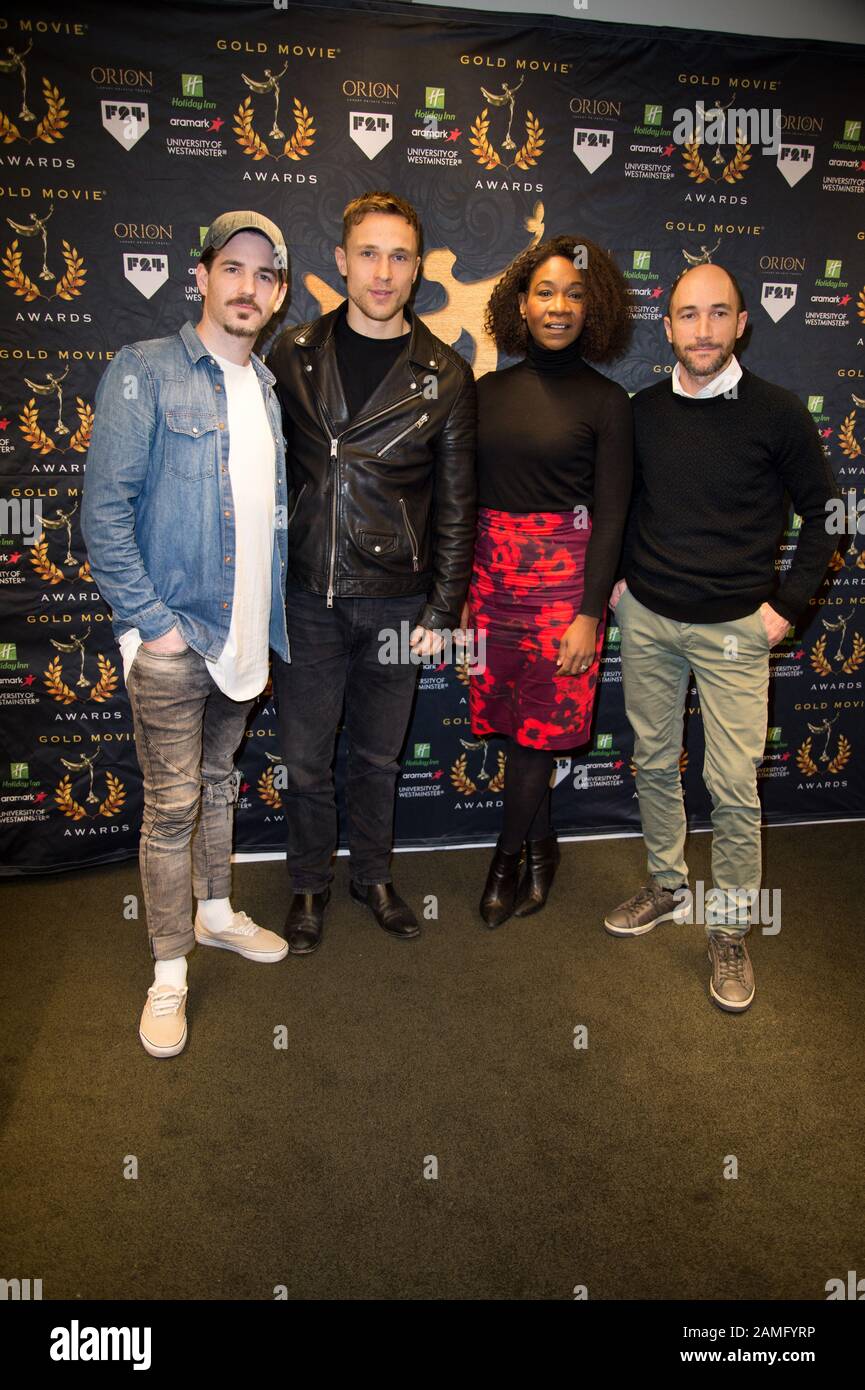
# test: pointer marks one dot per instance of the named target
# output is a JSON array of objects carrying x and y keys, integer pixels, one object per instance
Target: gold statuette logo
[
  {"x": 110, "y": 805},
  {"x": 51, "y": 126},
  {"x": 832, "y": 763},
  {"x": 99, "y": 692},
  {"x": 459, "y": 771},
  {"x": 296, "y": 146},
  {"x": 828, "y": 663},
  {"x": 731, "y": 170},
  {"x": 37, "y": 437},
  {"x": 67, "y": 287},
  {"x": 485, "y": 152}
]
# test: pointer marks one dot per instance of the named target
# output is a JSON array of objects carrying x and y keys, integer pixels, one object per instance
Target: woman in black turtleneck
[{"x": 554, "y": 481}]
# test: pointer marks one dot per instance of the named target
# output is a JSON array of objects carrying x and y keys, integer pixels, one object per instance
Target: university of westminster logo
[
  {"x": 48, "y": 128},
  {"x": 295, "y": 146}
]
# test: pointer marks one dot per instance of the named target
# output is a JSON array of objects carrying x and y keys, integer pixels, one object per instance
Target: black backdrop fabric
[{"x": 124, "y": 132}]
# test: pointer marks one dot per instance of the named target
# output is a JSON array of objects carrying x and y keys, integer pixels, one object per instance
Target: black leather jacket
[{"x": 384, "y": 504}]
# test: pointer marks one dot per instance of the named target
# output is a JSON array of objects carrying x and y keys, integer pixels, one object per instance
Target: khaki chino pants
[{"x": 730, "y": 661}]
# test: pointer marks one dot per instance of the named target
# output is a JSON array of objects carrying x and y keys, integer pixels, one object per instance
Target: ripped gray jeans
[{"x": 187, "y": 733}]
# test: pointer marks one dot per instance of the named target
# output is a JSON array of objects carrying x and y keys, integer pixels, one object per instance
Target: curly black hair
[{"x": 607, "y": 329}]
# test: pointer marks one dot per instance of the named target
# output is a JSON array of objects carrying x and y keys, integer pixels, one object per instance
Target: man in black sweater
[{"x": 715, "y": 453}]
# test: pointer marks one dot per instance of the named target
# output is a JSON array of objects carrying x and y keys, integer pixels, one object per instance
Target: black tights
[{"x": 527, "y": 796}]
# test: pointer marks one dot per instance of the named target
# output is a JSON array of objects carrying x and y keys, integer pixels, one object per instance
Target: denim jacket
[{"x": 158, "y": 513}]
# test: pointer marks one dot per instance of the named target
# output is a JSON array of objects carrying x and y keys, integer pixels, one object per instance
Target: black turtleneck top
[{"x": 554, "y": 434}]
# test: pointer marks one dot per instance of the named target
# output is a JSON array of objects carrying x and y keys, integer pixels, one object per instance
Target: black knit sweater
[{"x": 708, "y": 509}]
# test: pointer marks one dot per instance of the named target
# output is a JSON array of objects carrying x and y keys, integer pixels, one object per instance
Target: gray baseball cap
[{"x": 228, "y": 224}]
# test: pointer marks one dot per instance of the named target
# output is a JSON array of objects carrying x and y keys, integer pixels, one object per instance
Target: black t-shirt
[{"x": 363, "y": 362}]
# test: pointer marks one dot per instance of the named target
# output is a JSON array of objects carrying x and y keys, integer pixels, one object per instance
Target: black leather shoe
[
  {"x": 500, "y": 889},
  {"x": 542, "y": 860},
  {"x": 304, "y": 924},
  {"x": 392, "y": 914}
]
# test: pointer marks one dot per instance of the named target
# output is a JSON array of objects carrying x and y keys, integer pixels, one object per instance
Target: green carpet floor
[{"x": 557, "y": 1167}]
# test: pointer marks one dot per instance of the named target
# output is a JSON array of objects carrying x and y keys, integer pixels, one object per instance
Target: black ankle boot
[
  {"x": 500, "y": 890},
  {"x": 542, "y": 860}
]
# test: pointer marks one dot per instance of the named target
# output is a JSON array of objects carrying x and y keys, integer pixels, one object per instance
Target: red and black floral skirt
[{"x": 526, "y": 589}]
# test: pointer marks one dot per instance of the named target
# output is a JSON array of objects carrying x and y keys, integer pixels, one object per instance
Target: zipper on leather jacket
[
  {"x": 411, "y": 535},
  {"x": 334, "y": 454},
  {"x": 296, "y": 505},
  {"x": 334, "y": 447},
  {"x": 416, "y": 426}
]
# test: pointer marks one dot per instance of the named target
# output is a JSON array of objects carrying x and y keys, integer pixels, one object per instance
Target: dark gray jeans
[
  {"x": 335, "y": 658},
  {"x": 186, "y": 736}
]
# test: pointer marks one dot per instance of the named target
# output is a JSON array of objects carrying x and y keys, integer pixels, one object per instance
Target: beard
[
  {"x": 704, "y": 366},
  {"x": 242, "y": 328}
]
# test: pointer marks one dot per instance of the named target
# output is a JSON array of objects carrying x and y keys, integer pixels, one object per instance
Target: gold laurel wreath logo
[
  {"x": 486, "y": 154},
  {"x": 51, "y": 126},
  {"x": 463, "y": 783},
  {"x": 44, "y": 443},
  {"x": 110, "y": 806},
  {"x": 860, "y": 304},
  {"x": 45, "y": 567},
  {"x": 101, "y": 691},
  {"x": 838, "y": 563},
  {"x": 847, "y": 439},
  {"x": 296, "y": 147},
  {"x": 497, "y": 781},
  {"x": 819, "y": 660},
  {"x": 823, "y": 666},
  {"x": 809, "y": 768},
  {"x": 267, "y": 791},
  {"x": 734, "y": 169},
  {"x": 18, "y": 280}
]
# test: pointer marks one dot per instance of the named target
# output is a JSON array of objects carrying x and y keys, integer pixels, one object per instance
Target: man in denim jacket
[{"x": 184, "y": 520}]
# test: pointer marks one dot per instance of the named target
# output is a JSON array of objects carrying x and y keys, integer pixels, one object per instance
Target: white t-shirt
[{"x": 241, "y": 669}]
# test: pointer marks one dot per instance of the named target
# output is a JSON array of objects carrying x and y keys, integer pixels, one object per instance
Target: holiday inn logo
[
  {"x": 852, "y": 130},
  {"x": 192, "y": 84},
  {"x": 833, "y": 270},
  {"x": 815, "y": 405},
  {"x": 8, "y": 651},
  {"x": 434, "y": 98},
  {"x": 652, "y": 115},
  {"x": 642, "y": 260}
]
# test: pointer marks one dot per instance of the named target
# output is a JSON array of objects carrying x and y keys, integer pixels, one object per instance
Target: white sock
[
  {"x": 171, "y": 972},
  {"x": 215, "y": 913}
]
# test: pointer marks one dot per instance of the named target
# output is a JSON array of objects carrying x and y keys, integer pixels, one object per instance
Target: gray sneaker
[
  {"x": 732, "y": 982},
  {"x": 650, "y": 905}
]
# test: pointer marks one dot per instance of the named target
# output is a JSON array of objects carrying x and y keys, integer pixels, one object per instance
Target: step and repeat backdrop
[{"x": 123, "y": 133}]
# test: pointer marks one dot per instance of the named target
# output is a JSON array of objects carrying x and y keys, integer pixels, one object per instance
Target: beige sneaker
[
  {"x": 163, "y": 1021},
  {"x": 244, "y": 937}
]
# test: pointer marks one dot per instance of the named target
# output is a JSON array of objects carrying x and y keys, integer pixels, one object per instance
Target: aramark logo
[{"x": 78, "y": 1343}]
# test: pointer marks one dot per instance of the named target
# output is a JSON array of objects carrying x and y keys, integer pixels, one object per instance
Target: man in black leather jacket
[{"x": 379, "y": 419}]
